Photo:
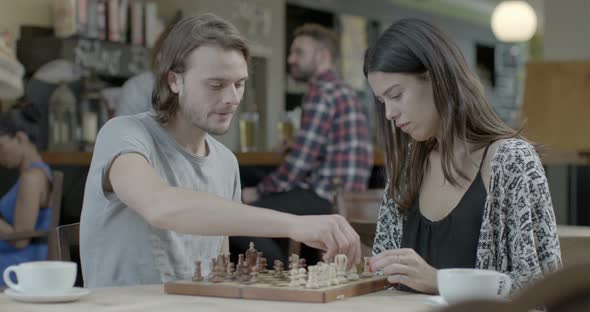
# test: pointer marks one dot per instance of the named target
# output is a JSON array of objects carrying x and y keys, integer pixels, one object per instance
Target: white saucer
[
  {"x": 71, "y": 295},
  {"x": 438, "y": 301}
]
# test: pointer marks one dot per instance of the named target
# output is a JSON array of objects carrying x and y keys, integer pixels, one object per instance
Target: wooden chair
[
  {"x": 68, "y": 236},
  {"x": 574, "y": 242},
  {"x": 55, "y": 206},
  {"x": 566, "y": 290},
  {"x": 361, "y": 209}
]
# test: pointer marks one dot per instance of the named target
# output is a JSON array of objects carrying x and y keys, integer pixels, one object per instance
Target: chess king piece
[
  {"x": 251, "y": 255},
  {"x": 197, "y": 277}
]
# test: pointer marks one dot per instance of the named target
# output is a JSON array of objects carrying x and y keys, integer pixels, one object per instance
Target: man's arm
[{"x": 136, "y": 183}]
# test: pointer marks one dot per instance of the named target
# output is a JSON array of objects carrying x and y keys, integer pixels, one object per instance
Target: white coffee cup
[
  {"x": 42, "y": 277},
  {"x": 456, "y": 285}
]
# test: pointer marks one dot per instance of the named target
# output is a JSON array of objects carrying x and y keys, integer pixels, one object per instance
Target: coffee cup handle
[
  {"x": 507, "y": 286},
  {"x": 8, "y": 281}
]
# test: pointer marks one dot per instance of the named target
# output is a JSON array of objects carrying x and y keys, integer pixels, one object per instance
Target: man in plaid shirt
[{"x": 331, "y": 147}]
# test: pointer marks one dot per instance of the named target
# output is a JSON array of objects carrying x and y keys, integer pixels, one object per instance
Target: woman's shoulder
[
  {"x": 508, "y": 151},
  {"x": 35, "y": 177}
]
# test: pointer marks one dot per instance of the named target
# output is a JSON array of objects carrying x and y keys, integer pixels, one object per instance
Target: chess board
[{"x": 267, "y": 287}]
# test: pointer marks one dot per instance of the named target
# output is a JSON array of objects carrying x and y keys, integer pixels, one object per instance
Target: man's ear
[{"x": 174, "y": 82}]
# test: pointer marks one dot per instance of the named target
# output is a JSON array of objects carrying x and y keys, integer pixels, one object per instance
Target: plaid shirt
[{"x": 332, "y": 144}]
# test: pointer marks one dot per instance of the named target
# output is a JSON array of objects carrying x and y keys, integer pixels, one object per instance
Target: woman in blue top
[{"x": 24, "y": 207}]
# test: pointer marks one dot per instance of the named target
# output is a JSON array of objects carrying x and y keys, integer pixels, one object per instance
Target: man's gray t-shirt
[{"x": 117, "y": 246}]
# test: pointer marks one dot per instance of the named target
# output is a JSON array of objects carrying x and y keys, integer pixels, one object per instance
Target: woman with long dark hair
[
  {"x": 24, "y": 207},
  {"x": 464, "y": 190}
]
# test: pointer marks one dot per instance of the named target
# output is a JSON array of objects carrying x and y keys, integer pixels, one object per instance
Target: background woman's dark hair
[
  {"x": 414, "y": 46},
  {"x": 25, "y": 118}
]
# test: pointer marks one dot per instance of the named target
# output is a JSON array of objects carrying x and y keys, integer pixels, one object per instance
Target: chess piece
[
  {"x": 240, "y": 265},
  {"x": 251, "y": 255},
  {"x": 263, "y": 265},
  {"x": 341, "y": 261},
  {"x": 332, "y": 274},
  {"x": 293, "y": 278},
  {"x": 366, "y": 270},
  {"x": 279, "y": 267},
  {"x": 294, "y": 262},
  {"x": 254, "y": 274},
  {"x": 302, "y": 276},
  {"x": 324, "y": 275},
  {"x": 312, "y": 279},
  {"x": 244, "y": 273},
  {"x": 231, "y": 268},
  {"x": 212, "y": 273},
  {"x": 302, "y": 263},
  {"x": 352, "y": 275},
  {"x": 219, "y": 275},
  {"x": 197, "y": 277}
]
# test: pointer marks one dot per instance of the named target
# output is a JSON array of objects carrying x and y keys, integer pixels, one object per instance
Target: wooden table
[{"x": 153, "y": 298}]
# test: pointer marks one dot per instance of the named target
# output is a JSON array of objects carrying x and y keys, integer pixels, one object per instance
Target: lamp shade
[{"x": 514, "y": 21}]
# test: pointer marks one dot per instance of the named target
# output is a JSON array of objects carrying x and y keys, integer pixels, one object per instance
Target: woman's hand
[{"x": 405, "y": 266}]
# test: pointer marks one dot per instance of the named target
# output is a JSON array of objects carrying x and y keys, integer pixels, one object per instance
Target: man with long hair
[{"x": 162, "y": 192}]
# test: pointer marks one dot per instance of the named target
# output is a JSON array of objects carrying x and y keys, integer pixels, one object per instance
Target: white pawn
[
  {"x": 293, "y": 278},
  {"x": 352, "y": 275},
  {"x": 332, "y": 275},
  {"x": 302, "y": 277},
  {"x": 294, "y": 262},
  {"x": 324, "y": 275},
  {"x": 341, "y": 262}
]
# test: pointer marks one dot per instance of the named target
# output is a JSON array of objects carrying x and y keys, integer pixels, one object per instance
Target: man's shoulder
[
  {"x": 129, "y": 122},
  {"x": 221, "y": 151}
]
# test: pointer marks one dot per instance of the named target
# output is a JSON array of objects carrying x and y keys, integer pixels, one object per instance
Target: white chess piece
[
  {"x": 302, "y": 277},
  {"x": 312, "y": 280},
  {"x": 293, "y": 278},
  {"x": 341, "y": 261},
  {"x": 324, "y": 275},
  {"x": 352, "y": 275},
  {"x": 366, "y": 270},
  {"x": 332, "y": 275},
  {"x": 294, "y": 262}
]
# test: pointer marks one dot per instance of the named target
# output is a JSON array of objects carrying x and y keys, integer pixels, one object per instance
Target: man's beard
[{"x": 301, "y": 75}]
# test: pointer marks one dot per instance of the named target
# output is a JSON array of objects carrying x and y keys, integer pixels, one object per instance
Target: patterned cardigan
[{"x": 518, "y": 232}]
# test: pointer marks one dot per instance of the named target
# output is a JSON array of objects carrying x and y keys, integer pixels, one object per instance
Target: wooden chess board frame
[{"x": 266, "y": 289}]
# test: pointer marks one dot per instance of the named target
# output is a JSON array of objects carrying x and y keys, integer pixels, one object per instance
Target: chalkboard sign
[{"x": 100, "y": 57}]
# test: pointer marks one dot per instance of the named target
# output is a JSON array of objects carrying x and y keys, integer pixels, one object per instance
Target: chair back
[
  {"x": 68, "y": 236},
  {"x": 55, "y": 205},
  {"x": 361, "y": 210}
]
